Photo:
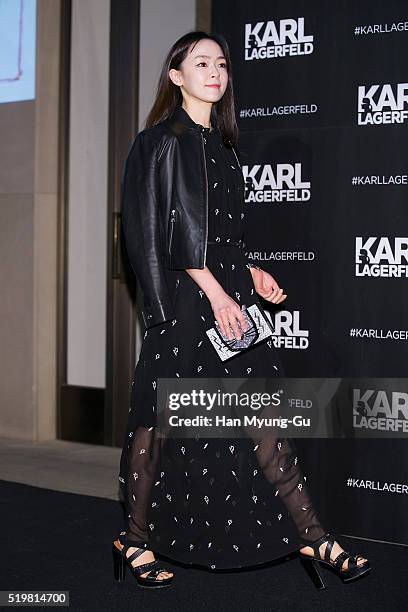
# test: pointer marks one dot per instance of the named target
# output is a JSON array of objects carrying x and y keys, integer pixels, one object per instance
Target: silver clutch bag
[{"x": 259, "y": 329}]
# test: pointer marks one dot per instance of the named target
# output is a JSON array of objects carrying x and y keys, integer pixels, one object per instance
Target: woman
[{"x": 219, "y": 503}]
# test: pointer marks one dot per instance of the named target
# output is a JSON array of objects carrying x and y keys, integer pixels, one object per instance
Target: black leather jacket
[{"x": 165, "y": 208}]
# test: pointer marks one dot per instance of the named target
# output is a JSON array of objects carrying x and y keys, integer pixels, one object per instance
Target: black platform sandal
[
  {"x": 310, "y": 563},
  {"x": 120, "y": 560}
]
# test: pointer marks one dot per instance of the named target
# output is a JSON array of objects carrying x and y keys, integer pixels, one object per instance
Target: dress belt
[{"x": 225, "y": 243}]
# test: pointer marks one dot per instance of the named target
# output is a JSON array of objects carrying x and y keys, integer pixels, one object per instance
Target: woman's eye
[{"x": 223, "y": 65}]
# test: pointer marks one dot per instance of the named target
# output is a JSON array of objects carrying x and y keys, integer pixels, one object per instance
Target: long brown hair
[{"x": 169, "y": 95}]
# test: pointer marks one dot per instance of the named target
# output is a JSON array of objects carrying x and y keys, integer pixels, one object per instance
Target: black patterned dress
[{"x": 217, "y": 502}]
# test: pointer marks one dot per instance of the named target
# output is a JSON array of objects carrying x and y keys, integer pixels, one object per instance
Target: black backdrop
[{"x": 321, "y": 93}]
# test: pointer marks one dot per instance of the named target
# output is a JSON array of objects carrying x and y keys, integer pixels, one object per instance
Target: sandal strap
[
  {"x": 141, "y": 569},
  {"x": 152, "y": 575},
  {"x": 134, "y": 555},
  {"x": 339, "y": 560},
  {"x": 328, "y": 550},
  {"x": 353, "y": 561},
  {"x": 315, "y": 545}
]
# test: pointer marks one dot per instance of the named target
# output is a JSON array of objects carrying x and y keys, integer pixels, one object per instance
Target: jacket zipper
[
  {"x": 172, "y": 219},
  {"x": 206, "y": 199}
]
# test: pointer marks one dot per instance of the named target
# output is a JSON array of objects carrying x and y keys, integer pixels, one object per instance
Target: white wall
[
  {"x": 161, "y": 23},
  {"x": 87, "y": 217}
]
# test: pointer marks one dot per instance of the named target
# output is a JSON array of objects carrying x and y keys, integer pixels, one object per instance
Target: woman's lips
[{"x": 215, "y": 86}]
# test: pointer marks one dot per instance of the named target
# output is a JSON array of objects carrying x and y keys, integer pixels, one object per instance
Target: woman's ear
[{"x": 175, "y": 76}]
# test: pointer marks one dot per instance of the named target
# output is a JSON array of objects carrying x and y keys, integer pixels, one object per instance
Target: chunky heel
[
  {"x": 312, "y": 569},
  {"x": 119, "y": 564}
]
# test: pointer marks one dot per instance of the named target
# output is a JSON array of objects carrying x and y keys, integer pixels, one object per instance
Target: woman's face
[{"x": 203, "y": 73}]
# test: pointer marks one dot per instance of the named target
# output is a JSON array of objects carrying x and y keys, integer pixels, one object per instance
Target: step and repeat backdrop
[{"x": 321, "y": 94}]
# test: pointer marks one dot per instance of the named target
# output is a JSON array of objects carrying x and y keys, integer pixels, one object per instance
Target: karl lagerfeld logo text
[
  {"x": 270, "y": 39},
  {"x": 382, "y": 256},
  {"x": 288, "y": 333},
  {"x": 374, "y": 409},
  {"x": 280, "y": 184},
  {"x": 261, "y": 256},
  {"x": 382, "y": 104},
  {"x": 390, "y": 487}
]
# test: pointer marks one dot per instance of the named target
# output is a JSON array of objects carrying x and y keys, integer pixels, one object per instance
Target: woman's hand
[
  {"x": 227, "y": 312},
  {"x": 267, "y": 287}
]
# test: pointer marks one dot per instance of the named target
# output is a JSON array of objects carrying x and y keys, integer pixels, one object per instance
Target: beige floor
[{"x": 62, "y": 466}]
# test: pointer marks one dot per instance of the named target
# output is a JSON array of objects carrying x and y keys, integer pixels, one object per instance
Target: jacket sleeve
[{"x": 141, "y": 227}]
